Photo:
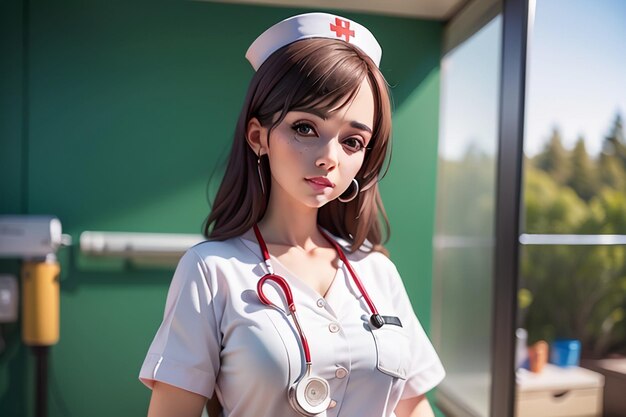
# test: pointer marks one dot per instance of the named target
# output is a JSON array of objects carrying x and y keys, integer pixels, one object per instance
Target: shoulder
[
  {"x": 370, "y": 263},
  {"x": 365, "y": 255},
  {"x": 220, "y": 267},
  {"x": 378, "y": 264},
  {"x": 215, "y": 246},
  {"x": 219, "y": 250},
  {"x": 364, "y": 251},
  {"x": 217, "y": 259}
]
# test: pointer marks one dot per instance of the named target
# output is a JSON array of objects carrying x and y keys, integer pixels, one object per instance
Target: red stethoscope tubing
[
  {"x": 356, "y": 279},
  {"x": 292, "y": 307},
  {"x": 287, "y": 290}
]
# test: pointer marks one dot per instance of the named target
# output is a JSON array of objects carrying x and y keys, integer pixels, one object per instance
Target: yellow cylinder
[{"x": 40, "y": 303}]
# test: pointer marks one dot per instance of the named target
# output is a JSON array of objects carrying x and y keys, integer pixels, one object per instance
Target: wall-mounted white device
[
  {"x": 30, "y": 237},
  {"x": 35, "y": 240},
  {"x": 8, "y": 298},
  {"x": 137, "y": 245}
]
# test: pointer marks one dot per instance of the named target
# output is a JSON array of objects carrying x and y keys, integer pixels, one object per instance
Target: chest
[
  {"x": 336, "y": 330},
  {"x": 262, "y": 352},
  {"x": 316, "y": 270}
]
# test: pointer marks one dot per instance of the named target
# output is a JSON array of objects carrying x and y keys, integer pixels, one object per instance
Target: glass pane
[
  {"x": 575, "y": 292},
  {"x": 464, "y": 235},
  {"x": 572, "y": 296},
  {"x": 575, "y": 179},
  {"x": 573, "y": 301}
]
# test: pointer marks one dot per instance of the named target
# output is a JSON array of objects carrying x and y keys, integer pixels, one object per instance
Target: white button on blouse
[
  {"x": 341, "y": 372},
  {"x": 216, "y": 335}
]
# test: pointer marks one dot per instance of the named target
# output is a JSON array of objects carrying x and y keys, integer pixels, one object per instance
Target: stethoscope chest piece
[{"x": 310, "y": 396}]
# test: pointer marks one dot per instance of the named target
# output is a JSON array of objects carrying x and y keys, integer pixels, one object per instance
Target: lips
[{"x": 321, "y": 181}]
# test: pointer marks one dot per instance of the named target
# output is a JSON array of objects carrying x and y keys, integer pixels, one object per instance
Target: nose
[{"x": 329, "y": 154}]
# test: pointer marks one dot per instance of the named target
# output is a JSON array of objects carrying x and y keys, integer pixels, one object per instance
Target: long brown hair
[{"x": 323, "y": 74}]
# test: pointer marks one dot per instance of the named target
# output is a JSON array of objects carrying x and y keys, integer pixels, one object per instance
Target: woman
[{"x": 292, "y": 307}]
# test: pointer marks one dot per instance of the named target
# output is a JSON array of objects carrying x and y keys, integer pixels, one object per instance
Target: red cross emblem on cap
[{"x": 342, "y": 28}]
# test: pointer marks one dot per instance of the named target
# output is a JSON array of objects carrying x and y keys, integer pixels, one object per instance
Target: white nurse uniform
[{"x": 217, "y": 335}]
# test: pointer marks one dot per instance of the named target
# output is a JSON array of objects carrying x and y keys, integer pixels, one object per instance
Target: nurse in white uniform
[{"x": 292, "y": 306}]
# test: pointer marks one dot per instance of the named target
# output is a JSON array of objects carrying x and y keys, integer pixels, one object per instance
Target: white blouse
[{"x": 217, "y": 335}]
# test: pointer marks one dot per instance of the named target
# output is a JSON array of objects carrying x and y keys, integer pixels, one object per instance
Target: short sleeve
[
  {"x": 185, "y": 351},
  {"x": 425, "y": 370}
]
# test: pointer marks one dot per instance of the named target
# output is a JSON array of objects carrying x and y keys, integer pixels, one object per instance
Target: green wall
[{"x": 114, "y": 116}]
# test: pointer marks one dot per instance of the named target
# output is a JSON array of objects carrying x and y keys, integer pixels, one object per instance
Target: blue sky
[{"x": 576, "y": 78}]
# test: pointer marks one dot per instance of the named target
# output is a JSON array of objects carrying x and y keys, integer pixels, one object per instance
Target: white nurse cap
[{"x": 312, "y": 25}]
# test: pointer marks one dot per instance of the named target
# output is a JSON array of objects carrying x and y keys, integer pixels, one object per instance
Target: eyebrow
[
  {"x": 358, "y": 125},
  {"x": 324, "y": 116}
]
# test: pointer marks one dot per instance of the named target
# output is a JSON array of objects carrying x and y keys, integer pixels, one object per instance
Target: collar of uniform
[{"x": 253, "y": 246}]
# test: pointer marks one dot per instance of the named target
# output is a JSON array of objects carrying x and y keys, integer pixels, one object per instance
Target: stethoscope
[{"x": 309, "y": 394}]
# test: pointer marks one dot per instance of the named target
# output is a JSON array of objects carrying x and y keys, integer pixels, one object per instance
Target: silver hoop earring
[
  {"x": 258, "y": 166},
  {"x": 353, "y": 195}
]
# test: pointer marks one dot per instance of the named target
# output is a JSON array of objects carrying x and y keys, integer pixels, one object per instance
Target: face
[{"x": 305, "y": 149}]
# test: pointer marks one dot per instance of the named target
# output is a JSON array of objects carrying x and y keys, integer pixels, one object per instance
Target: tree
[
  {"x": 612, "y": 161},
  {"x": 615, "y": 143},
  {"x": 577, "y": 291},
  {"x": 583, "y": 177},
  {"x": 554, "y": 159},
  {"x": 550, "y": 208},
  {"x": 611, "y": 171}
]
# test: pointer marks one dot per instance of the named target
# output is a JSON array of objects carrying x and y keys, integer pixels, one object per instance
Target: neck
[{"x": 289, "y": 224}]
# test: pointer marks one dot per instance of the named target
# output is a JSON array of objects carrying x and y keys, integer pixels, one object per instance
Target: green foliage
[
  {"x": 612, "y": 161},
  {"x": 612, "y": 172},
  {"x": 554, "y": 159},
  {"x": 615, "y": 143},
  {"x": 467, "y": 189},
  {"x": 583, "y": 176},
  {"x": 577, "y": 291},
  {"x": 550, "y": 208},
  {"x": 608, "y": 213}
]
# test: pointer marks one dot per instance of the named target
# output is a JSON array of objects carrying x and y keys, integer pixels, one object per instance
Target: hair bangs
[{"x": 325, "y": 84}]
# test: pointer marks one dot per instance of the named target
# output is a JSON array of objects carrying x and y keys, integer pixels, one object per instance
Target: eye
[
  {"x": 303, "y": 128},
  {"x": 355, "y": 144}
]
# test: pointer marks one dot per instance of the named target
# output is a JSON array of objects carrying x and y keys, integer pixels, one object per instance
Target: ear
[{"x": 256, "y": 136}]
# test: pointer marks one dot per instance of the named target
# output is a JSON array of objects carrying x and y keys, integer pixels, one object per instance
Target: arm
[
  {"x": 183, "y": 360},
  {"x": 414, "y": 407},
  {"x": 168, "y": 400}
]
